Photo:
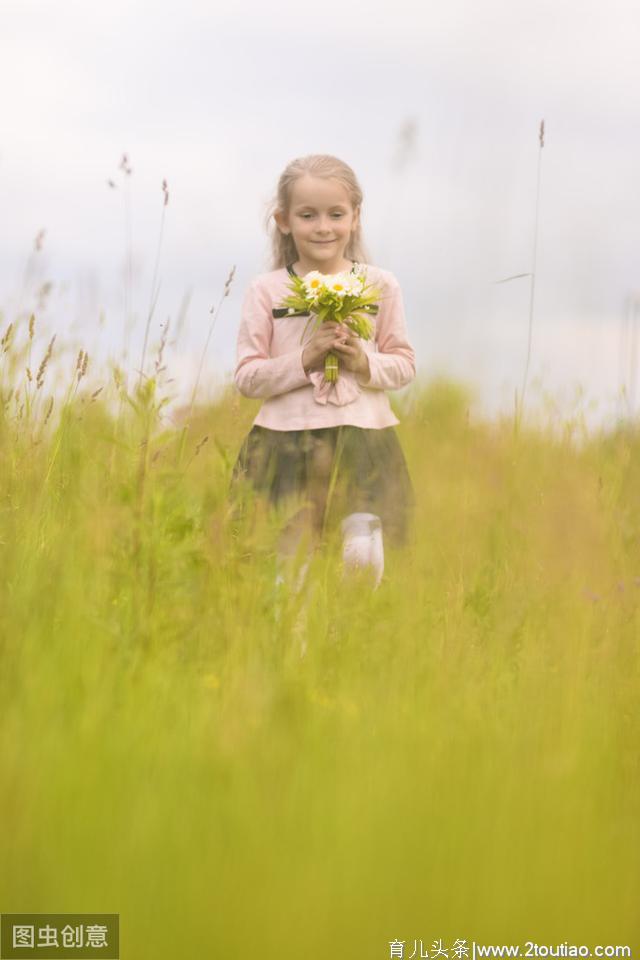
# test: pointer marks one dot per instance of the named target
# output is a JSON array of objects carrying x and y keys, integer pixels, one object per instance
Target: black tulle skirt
[{"x": 334, "y": 471}]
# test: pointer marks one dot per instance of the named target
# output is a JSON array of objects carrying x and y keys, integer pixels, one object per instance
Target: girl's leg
[
  {"x": 304, "y": 530},
  {"x": 298, "y": 538},
  {"x": 362, "y": 546}
]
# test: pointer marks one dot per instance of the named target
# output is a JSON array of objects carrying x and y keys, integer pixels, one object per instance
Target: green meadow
[{"x": 454, "y": 758}]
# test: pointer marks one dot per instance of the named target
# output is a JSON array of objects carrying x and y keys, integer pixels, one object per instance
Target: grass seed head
[
  {"x": 163, "y": 341},
  {"x": 227, "y": 285},
  {"x": 43, "y": 365},
  {"x": 5, "y": 343}
]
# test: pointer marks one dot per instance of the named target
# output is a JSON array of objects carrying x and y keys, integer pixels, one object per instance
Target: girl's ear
[
  {"x": 356, "y": 217},
  {"x": 281, "y": 222}
]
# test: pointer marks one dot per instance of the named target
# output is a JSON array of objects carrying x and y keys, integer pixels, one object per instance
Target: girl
[{"x": 331, "y": 443}]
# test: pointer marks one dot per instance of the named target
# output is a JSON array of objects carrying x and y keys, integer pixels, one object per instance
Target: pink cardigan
[{"x": 269, "y": 361}]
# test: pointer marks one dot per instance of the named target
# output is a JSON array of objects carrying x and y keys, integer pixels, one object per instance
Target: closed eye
[{"x": 306, "y": 215}]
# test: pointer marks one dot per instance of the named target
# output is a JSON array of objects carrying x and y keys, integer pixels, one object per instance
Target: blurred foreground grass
[{"x": 455, "y": 757}]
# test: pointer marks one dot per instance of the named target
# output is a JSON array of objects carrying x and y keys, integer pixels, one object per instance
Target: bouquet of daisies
[{"x": 344, "y": 297}]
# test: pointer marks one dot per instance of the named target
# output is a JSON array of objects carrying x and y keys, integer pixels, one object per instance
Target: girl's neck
[{"x": 302, "y": 268}]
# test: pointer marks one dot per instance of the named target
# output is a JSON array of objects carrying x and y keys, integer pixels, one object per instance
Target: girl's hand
[
  {"x": 321, "y": 341},
  {"x": 352, "y": 354}
]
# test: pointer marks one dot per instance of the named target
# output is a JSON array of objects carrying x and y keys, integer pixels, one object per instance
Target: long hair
[{"x": 282, "y": 247}]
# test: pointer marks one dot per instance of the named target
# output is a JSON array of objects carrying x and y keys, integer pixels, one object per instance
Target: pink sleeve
[
  {"x": 393, "y": 365},
  {"x": 257, "y": 374}
]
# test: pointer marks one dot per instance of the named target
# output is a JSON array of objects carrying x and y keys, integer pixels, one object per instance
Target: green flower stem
[{"x": 331, "y": 367}]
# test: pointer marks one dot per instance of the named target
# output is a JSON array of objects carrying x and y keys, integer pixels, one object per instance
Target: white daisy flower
[
  {"x": 339, "y": 283},
  {"x": 313, "y": 283},
  {"x": 356, "y": 285}
]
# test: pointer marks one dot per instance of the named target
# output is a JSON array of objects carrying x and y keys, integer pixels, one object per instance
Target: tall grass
[
  {"x": 456, "y": 755},
  {"x": 519, "y": 399},
  {"x": 155, "y": 286}
]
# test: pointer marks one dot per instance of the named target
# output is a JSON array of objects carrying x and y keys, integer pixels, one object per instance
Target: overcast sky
[{"x": 435, "y": 106}]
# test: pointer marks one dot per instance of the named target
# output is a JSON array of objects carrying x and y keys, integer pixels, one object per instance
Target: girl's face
[{"x": 321, "y": 221}]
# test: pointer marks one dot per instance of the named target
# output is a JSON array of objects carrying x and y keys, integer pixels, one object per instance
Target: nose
[{"x": 324, "y": 226}]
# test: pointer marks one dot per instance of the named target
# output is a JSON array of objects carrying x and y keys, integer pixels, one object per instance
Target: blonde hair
[{"x": 283, "y": 248}]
